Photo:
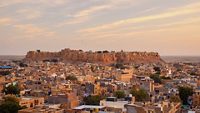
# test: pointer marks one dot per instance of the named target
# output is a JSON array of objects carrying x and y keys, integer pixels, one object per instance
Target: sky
[{"x": 170, "y": 27}]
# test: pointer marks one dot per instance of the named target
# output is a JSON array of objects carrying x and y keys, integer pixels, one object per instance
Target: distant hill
[
  {"x": 184, "y": 59},
  {"x": 11, "y": 57}
]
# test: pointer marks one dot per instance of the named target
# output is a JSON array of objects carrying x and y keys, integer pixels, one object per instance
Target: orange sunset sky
[{"x": 170, "y": 27}]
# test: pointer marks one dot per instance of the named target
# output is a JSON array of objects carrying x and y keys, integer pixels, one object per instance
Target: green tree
[
  {"x": 10, "y": 105},
  {"x": 11, "y": 89},
  {"x": 119, "y": 94},
  {"x": 5, "y": 72},
  {"x": 92, "y": 100},
  {"x": 184, "y": 93},
  {"x": 156, "y": 78},
  {"x": 175, "y": 98},
  {"x": 165, "y": 78},
  {"x": 193, "y": 73},
  {"x": 140, "y": 94},
  {"x": 119, "y": 66},
  {"x": 157, "y": 69},
  {"x": 71, "y": 77},
  {"x": 105, "y": 51},
  {"x": 11, "y": 98}
]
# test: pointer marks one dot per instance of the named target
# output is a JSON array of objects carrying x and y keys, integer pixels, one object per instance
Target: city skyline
[{"x": 166, "y": 27}]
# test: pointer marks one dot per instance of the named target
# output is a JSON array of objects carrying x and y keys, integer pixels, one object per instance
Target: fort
[{"x": 106, "y": 57}]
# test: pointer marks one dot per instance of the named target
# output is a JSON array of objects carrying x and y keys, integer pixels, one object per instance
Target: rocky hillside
[{"x": 68, "y": 55}]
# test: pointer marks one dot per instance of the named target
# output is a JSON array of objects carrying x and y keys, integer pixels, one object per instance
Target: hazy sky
[{"x": 170, "y": 27}]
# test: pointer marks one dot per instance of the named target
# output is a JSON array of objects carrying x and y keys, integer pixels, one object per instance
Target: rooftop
[{"x": 88, "y": 107}]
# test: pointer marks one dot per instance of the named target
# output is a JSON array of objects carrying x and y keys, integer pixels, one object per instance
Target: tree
[
  {"x": 193, "y": 73},
  {"x": 10, "y": 105},
  {"x": 157, "y": 69},
  {"x": 11, "y": 89},
  {"x": 11, "y": 98},
  {"x": 140, "y": 94},
  {"x": 105, "y": 51},
  {"x": 156, "y": 78},
  {"x": 165, "y": 78},
  {"x": 71, "y": 77},
  {"x": 119, "y": 94},
  {"x": 119, "y": 66},
  {"x": 5, "y": 72},
  {"x": 38, "y": 51},
  {"x": 99, "y": 51},
  {"x": 179, "y": 69},
  {"x": 175, "y": 98},
  {"x": 184, "y": 93},
  {"x": 92, "y": 100},
  {"x": 23, "y": 64}
]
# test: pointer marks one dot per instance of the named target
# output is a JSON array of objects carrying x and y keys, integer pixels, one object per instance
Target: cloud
[
  {"x": 83, "y": 15},
  {"x": 91, "y": 10},
  {"x": 189, "y": 9},
  {"x": 27, "y": 30},
  {"x": 74, "y": 21},
  {"x": 86, "y": 14},
  {"x": 111, "y": 4},
  {"x": 130, "y": 32},
  {"x": 33, "y": 31},
  {"x": 7, "y": 3},
  {"x": 29, "y": 13},
  {"x": 6, "y": 21}
]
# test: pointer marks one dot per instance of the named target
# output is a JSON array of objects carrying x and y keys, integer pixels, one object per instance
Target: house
[
  {"x": 31, "y": 102},
  {"x": 125, "y": 75},
  {"x": 67, "y": 101},
  {"x": 113, "y": 105}
]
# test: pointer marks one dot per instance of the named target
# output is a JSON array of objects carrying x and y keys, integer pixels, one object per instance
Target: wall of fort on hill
[{"x": 95, "y": 57}]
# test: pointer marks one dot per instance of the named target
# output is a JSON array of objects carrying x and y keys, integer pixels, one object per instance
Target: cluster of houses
[{"x": 56, "y": 87}]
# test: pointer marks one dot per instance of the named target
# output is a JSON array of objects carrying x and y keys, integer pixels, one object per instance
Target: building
[
  {"x": 43, "y": 109},
  {"x": 2, "y": 81},
  {"x": 88, "y": 109},
  {"x": 31, "y": 102},
  {"x": 125, "y": 75},
  {"x": 113, "y": 105},
  {"x": 164, "y": 107},
  {"x": 144, "y": 83},
  {"x": 67, "y": 101},
  {"x": 196, "y": 98}
]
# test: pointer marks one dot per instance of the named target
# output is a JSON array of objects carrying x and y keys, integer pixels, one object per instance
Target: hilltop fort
[{"x": 68, "y": 55}]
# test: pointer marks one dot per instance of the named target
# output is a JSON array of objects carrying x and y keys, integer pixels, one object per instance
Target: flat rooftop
[{"x": 88, "y": 107}]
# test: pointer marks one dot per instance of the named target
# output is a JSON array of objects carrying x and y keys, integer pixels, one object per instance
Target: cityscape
[{"x": 99, "y": 56}]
